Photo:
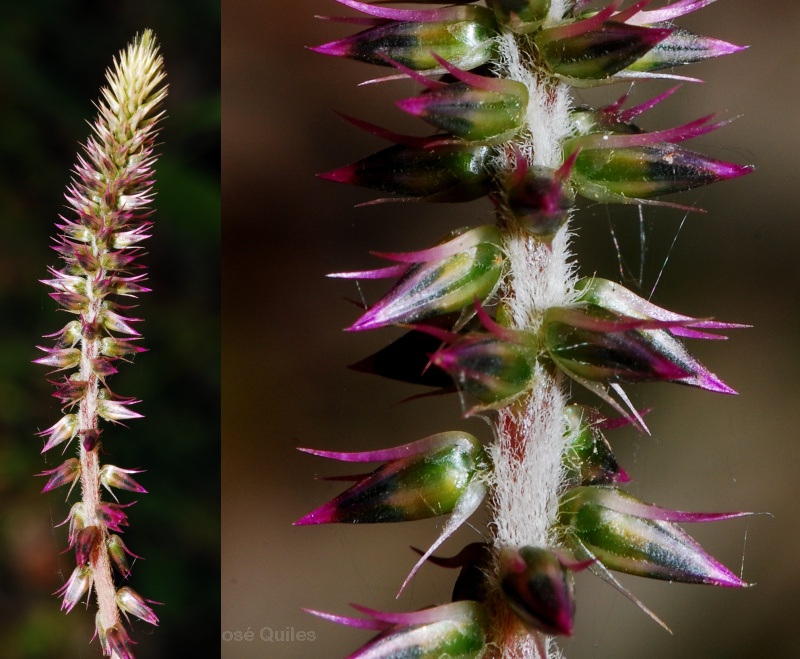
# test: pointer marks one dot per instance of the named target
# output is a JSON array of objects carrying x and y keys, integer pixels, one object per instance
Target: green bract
[
  {"x": 493, "y": 113},
  {"x": 628, "y": 535},
  {"x": 448, "y": 277},
  {"x": 441, "y": 172},
  {"x": 429, "y": 482},
  {"x": 594, "y": 56},
  {"x": 461, "y": 35}
]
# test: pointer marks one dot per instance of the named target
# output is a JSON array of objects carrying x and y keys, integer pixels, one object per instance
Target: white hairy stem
[{"x": 529, "y": 439}]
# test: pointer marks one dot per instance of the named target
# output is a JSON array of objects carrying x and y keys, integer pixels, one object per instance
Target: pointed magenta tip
[
  {"x": 322, "y": 515},
  {"x": 729, "y": 170},
  {"x": 338, "y": 48},
  {"x": 727, "y": 579},
  {"x": 369, "y": 321},
  {"x": 414, "y": 106},
  {"x": 342, "y": 175}
]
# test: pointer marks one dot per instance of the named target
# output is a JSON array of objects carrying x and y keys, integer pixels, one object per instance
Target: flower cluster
[
  {"x": 99, "y": 244},
  {"x": 498, "y": 313}
]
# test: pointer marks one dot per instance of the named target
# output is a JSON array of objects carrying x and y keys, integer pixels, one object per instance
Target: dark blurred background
[
  {"x": 285, "y": 383},
  {"x": 53, "y": 55}
]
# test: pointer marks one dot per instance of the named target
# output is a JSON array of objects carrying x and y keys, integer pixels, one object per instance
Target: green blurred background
[
  {"x": 53, "y": 55},
  {"x": 285, "y": 382}
]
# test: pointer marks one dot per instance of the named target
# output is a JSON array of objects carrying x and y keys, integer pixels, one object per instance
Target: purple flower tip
[
  {"x": 339, "y": 48},
  {"x": 370, "y": 320},
  {"x": 323, "y": 515},
  {"x": 622, "y": 476},
  {"x": 342, "y": 175},
  {"x": 722, "y": 576},
  {"x": 415, "y": 106},
  {"x": 728, "y": 170},
  {"x": 710, "y": 382}
]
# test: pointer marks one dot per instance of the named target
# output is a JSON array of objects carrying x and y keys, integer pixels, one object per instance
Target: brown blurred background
[{"x": 285, "y": 383}]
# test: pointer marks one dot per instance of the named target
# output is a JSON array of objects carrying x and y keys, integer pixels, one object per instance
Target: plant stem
[
  {"x": 529, "y": 438},
  {"x": 90, "y": 462}
]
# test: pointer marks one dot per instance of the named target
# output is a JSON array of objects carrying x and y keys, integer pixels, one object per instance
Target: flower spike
[{"x": 495, "y": 78}]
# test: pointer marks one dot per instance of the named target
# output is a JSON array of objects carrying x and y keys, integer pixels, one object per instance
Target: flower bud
[
  {"x": 588, "y": 458},
  {"x": 426, "y": 478},
  {"x": 590, "y": 51},
  {"x": 90, "y": 438},
  {"x": 439, "y": 172},
  {"x": 63, "y": 430},
  {"x": 77, "y": 521},
  {"x": 539, "y": 198},
  {"x": 539, "y": 589},
  {"x": 631, "y": 536},
  {"x": 129, "y": 601},
  {"x": 493, "y": 370},
  {"x": 474, "y": 108},
  {"x": 70, "y": 390},
  {"x": 117, "y": 410},
  {"x": 461, "y": 35},
  {"x": 628, "y": 168},
  {"x": 112, "y": 516},
  {"x": 118, "y": 642},
  {"x": 79, "y": 582},
  {"x": 111, "y": 346},
  {"x": 443, "y": 279},
  {"x": 111, "y": 476},
  {"x": 117, "y": 322},
  {"x": 593, "y": 343},
  {"x": 616, "y": 298},
  {"x": 117, "y": 553},
  {"x": 67, "y": 472},
  {"x": 61, "y": 358},
  {"x": 102, "y": 367},
  {"x": 85, "y": 542},
  {"x": 69, "y": 335}
]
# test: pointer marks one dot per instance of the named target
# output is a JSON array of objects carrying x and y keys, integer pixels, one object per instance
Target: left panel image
[{"x": 110, "y": 340}]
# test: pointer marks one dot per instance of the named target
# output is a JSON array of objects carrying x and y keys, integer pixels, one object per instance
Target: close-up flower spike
[{"x": 503, "y": 312}]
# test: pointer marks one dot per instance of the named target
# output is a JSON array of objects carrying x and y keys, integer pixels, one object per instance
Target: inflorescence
[
  {"x": 499, "y": 313},
  {"x": 109, "y": 203}
]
